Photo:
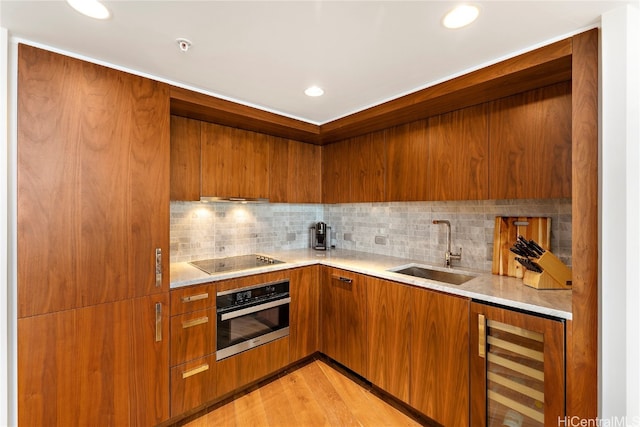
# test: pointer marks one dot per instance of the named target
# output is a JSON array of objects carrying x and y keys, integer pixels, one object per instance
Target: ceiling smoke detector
[{"x": 183, "y": 44}]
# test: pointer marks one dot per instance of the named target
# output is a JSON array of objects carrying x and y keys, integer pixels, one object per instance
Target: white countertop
[{"x": 486, "y": 287}]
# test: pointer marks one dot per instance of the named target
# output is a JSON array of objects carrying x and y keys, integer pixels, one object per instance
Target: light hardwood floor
[{"x": 316, "y": 394}]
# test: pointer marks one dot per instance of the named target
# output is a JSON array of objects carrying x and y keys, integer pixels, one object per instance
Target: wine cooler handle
[{"x": 482, "y": 335}]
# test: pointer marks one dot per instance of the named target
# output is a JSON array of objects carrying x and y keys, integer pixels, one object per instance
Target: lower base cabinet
[
  {"x": 440, "y": 357},
  {"x": 388, "y": 335},
  {"x": 244, "y": 368},
  {"x": 517, "y": 368},
  {"x": 100, "y": 365},
  {"x": 192, "y": 384}
]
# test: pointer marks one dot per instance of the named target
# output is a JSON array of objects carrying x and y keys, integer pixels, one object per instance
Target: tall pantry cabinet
[{"x": 93, "y": 243}]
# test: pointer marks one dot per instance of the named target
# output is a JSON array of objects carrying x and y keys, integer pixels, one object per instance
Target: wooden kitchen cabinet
[
  {"x": 336, "y": 185},
  {"x": 389, "y": 336},
  {"x": 93, "y": 183},
  {"x": 458, "y": 160},
  {"x": 251, "y": 365},
  {"x": 517, "y": 367},
  {"x": 185, "y": 159},
  {"x": 235, "y": 162},
  {"x": 193, "y": 335},
  {"x": 407, "y": 159},
  {"x": 295, "y": 172},
  {"x": 440, "y": 356},
  {"x": 304, "y": 312},
  {"x": 354, "y": 169},
  {"x": 93, "y": 208},
  {"x": 100, "y": 365},
  {"x": 193, "y": 384},
  {"x": 343, "y": 318},
  {"x": 530, "y": 144}
]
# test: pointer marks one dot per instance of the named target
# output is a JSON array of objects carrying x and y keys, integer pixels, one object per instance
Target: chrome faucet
[{"x": 448, "y": 256}]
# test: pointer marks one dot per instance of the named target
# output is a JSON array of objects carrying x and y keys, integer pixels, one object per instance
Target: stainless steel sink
[{"x": 437, "y": 275}]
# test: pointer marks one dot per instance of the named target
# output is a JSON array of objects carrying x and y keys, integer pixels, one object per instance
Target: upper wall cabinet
[
  {"x": 354, "y": 169},
  {"x": 185, "y": 159},
  {"x": 458, "y": 160},
  {"x": 407, "y": 159},
  {"x": 295, "y": 172},
  {"x": 530, "y": 144},
  {"x": 235, "y": 162}
]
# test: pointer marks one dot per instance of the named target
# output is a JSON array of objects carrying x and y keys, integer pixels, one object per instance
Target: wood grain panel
[
  {"x": 279, "y": 170},
  {"x": 554, "y": 372},
  {"x": 93, "y": 163},
  {"x": 198, "y": 106},
  {"x": 367, "y": 165},
  {"x": 336, "y": 177},
  {"x": 192, "y": 385},
  {"x": 343, "y": 318},
  {"x": 407, "y": 154},
  {"x": 530, "y": 144},
  {"x": 388, "y": 335},
  {"x": 185, "y": 159},
  {"x": 249, "y": 366},
  {"x": 255, "y": 279},
  {"x": 541, "y": 67},
  {"x": 193, "y": 335},
  {"x": 305, "y": 173},
  {"x": 304, "y": 312},
  {"x": 458, "y": 160},
  {"x": 440, "y": 357},
  {"x": 582, "y": 394},
  {"x": 148, "y": 375},
  {"x": 192, "y": 298},
  {"x": 235, "y": 162},
  {"x": 47, "y": 380}
]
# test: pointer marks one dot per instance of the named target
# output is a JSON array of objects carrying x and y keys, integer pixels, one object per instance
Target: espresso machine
[{"x": 320, "y": 236}]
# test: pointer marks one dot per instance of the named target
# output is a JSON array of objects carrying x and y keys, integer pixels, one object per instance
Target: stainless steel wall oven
[{"x": 252, "y": 316}]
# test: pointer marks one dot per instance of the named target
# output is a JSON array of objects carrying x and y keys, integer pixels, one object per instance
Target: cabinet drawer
[
  {"x": 193, "y": 335},
  {"x": 193, "y": 384},
  {"x": 193, "y": 298}
]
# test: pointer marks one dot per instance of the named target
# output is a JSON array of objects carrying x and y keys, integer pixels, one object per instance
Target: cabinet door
[
  {"x": 407, "y": 156},
  {"x": 193, "y": 384},
  {"x": 93, "y": 183},
  {"x": 103, "y": 365},
  {"x": 388, "y": 335},
  {"x": 458, "y": 163},
  {"x": 336, "y": 177},
  {"x": 185, "y": 159},
  {"x": 530, "y": 144},
  {"x": 295, "y": 172},
  {"x": 517, "y": 368},
  {"x": 367, "y": 163},
  {"x": 251, "y": 365},
  {"x": 235, "y": 162},
  {"x": 193, "y": 335},
  {"x": 440, "y": 357},
  {"x": 343, "y": 321},
  {"x": 304, "y": 312}
]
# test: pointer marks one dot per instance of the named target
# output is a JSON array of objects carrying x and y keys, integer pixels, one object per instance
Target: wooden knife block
[
  {"x": 542, "y": 280},
  {"x": 556, "y": 275}
]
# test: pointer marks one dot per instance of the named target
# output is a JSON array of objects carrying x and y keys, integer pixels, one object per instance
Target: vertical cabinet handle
[
  {"x": 158, "y": 267},
  {"x": 158, "y": 321},
  {"x": 482, "y": 337}
]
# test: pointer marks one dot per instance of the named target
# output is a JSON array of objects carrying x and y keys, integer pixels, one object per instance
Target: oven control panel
[{"x": 252, "y": 295}]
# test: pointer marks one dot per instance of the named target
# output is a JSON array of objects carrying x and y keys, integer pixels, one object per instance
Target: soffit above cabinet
[{"x": 538, "y": 68}]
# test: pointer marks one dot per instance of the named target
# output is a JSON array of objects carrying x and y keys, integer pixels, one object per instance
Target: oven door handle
[{"x": 249, "y": 310}]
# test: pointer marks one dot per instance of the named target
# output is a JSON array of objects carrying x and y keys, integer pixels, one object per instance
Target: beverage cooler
[{"x": 517, "y": 368}]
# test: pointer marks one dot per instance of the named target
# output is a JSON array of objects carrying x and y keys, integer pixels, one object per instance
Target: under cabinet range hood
[{"x": 233, "y": 199}]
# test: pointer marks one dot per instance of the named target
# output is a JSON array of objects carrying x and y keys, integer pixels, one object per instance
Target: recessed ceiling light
[
  {"x": 460, "y": 16},
  {"x": 90, "y": 8},
  {"x": 314, "y": 91}
]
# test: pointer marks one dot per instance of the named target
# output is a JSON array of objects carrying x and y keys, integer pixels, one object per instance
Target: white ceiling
[{"x": 265, "y": 53}]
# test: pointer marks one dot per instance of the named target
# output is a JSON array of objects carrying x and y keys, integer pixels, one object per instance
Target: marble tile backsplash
[
  {"x": 406, "y": 229},
  {"x": 217, "y": 230},
  {"x": 402, "y": 229}
]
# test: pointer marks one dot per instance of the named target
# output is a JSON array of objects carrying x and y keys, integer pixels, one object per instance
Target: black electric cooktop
[{"x": 234, "y": 263}]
